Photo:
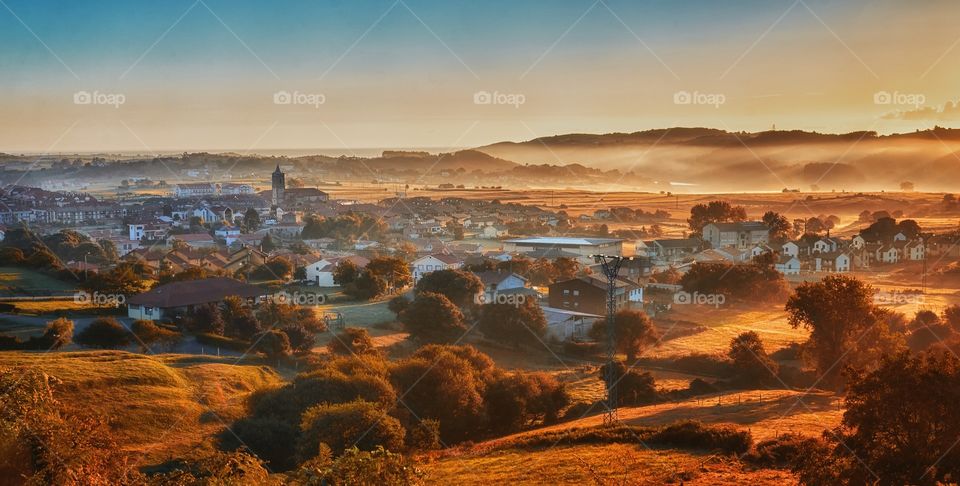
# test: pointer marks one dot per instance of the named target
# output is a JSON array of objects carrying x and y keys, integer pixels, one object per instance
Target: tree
[
  {"x": 274, "y": 343},
  {"x": 366, "y": 286},
  {"x": 276, "y": 268},
  {"x": 951, "y": 316},
  {"x": 750, "y": 361},
  {"x": 458, "y": 286},
  {"x": 104, "y": 332},
  {"x": 900, "y": 426},
  {"x": 845, "y": 327},
  {"x": 779, "y": 224},
  {"x": 714, "y": 212},
  {"x": 633, "y": 387},
  {"x": 301, "y": 340},
  {"x": 345, "y": 272},
  {"x": 352, "y": 340},
  {"x": 148, "y": 333},
  {"x": 360, "y": 424},
  {"x": 513, "y": 324},
  {"x": 238, "y": 318},
  {"x": 814, "y": 226},
  {"x": 516, "y": 400},
  {"x": 393, "y": 270},
  {"x": 446, "y": 383},
  {"x": 433, "y": 317},
  {"x": 566, "y": 268},
  {"x": 267, "y": 244},
  {"x": 251, "y": 220},
  {"x": 205, "y": 318},
  {"x": 634, "y": 332}
]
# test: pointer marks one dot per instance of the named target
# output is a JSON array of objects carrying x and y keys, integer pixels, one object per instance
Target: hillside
[{"x": 159, "y": 406}]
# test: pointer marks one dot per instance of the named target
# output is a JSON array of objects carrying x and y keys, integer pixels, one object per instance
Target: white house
[
  {"x": 915, "y": 250},
  {"x": 493, "y": 232},
  {"x": 838, "y": 262},
  {"x": 321, "y": 271},
  {"x": 431, "y": 263},
  {"x": 496, "y": 282},
  {"x": 790, "y": 249},
  {"x": 788, "y": 265},
  {"x": 900, "y": 237},
  {"x": 228, "y": 233},
  {"x": 888, "y": 254},
  {"x": 825, "y": 245},
  {"x": 857, "y": 242}
]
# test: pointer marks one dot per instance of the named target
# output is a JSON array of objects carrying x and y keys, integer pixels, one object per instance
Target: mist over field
[{"x": 703, "y": 160}]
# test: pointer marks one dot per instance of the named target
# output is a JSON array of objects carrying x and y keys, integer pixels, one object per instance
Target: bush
[
  {"x": 352, "y": 340},
  {"x": 341, "y": 426},
  {"x": 270, "y": 438},
  {"x": 425, "y": 435},
  {"x": 273, "y": 343},
  {"x": 782, "y": 452},
  {"x": 149, "y": 333},
  {"x": 379, "y": 466},
  {"x": 521, "y": 399},
  {"x": 695, "y": 435},
  {"x": 433, "y": 317},
  {"x": 104, "y": 333}
]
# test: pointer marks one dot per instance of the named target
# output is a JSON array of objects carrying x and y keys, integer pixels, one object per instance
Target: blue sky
[{"x": 202, "y": 74}]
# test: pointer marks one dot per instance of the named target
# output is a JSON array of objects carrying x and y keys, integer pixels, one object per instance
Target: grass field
[
  {"x": 627, "y": 464},
  {"x": 23, "y": 281},
  {"x": 159, "y": 407},
  {"x": 361, "y": 314},
  {"x": 723, "y": 324},
  {"x": 51, "y": 306}
]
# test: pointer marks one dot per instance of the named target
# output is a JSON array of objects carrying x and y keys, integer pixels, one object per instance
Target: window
[{"x": 576, "y": 292}]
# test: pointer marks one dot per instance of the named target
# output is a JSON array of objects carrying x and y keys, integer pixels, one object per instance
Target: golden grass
[
  {"x": 766, "y": 413},
  {"x": 596, "y": 464},
  {"x": 723, "y": 324},
  {"x": 159, "y": 407},
  {"x": 51, "y": 306}
]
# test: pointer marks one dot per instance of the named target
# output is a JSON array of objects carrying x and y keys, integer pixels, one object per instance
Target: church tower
[{"x": 279, "y": 184}]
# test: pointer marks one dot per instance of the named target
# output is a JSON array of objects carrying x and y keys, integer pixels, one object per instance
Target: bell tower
[{"x": 279, "y": 184}]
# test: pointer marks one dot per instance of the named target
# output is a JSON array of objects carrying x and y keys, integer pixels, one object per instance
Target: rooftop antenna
[{"x": 611, "y": 268}]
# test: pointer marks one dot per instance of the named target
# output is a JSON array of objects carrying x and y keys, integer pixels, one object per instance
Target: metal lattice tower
[{"x": 611, "y": 268}]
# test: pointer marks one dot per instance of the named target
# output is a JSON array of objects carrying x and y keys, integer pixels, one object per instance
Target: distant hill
[
  {"x": 697, "y": 159},
  {"x": 468, "y": 160}
]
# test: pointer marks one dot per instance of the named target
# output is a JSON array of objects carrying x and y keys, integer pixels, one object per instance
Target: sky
[{"x": 145, "y": 76}]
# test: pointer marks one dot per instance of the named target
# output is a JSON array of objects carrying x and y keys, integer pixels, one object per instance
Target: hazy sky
[{"x": 205, "y": 74}]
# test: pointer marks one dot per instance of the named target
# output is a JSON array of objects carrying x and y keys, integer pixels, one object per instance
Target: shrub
[
  {"x": 104, "y": 332},
  {"x": 695, "y": 435},
  {"x": 425, "y": 435},
  {"x": 270, "y": 438},
  {"x": 149, "y": 333},
  {"x": 273, "y": 343},
  {"x": 341, "y": 426},
  {"x": 352, "y": 340},
  {"x": 782, "y": 452},
  {"x": 433, "y": 317},
  {"x": 379, "y": 466}
]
